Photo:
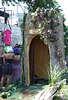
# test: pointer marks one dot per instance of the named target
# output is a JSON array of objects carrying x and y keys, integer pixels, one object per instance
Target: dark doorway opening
[{"x": 38, "y": 60}]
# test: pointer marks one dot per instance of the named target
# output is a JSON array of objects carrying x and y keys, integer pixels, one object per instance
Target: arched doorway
[{"x": 38, "y": 59}]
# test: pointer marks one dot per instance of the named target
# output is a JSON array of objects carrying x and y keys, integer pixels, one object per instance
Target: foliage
[
  {"x": 65, "y": 91},
  {"x": 65, "y": 76},
  {"x": 22, "y": 28},
  {"x": 48, "y": 23},
  {"x": 65, "y": 37},
  {"x": 57, "y": 73},
  {"x": 9, "y": 1},
  {"x": 16, "y": 90},
  {"x": 33, "y": 4},
  {"x": 10, "y": 87},
  {"x": 23, "y": 22},
  {"x": 47, "y": 74},
  {"x": 65, "y": 29},
  {"x": 22, "y": 48}
]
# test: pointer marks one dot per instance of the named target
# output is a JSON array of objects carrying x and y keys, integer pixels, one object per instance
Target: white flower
[
  {"x": 41, "y": 12},
  {"x": 38, "y": 9},
  {"x": 32, "y": 14},
  {"x": 39, "y": 24},
  {"x": 35, "y": 14}
]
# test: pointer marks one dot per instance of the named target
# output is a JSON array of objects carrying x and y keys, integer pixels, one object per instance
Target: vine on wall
[{"x": 48, "y": 23}]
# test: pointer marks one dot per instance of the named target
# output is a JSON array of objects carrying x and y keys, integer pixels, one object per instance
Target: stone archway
[
  {"x": 30, "y": 34},
  {"x": 38, "y": 59}
]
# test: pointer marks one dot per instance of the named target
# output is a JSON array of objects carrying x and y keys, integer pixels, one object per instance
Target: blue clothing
[
  {"x": 1, "y": 66},
  {"x": 1, "y": 62}
]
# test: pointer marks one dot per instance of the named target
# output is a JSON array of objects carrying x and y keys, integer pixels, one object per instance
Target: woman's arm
[
  {"x": 0, "y": 52},
  {"x": 4, "y": 60},
  {"x": 3, "y": 56}
]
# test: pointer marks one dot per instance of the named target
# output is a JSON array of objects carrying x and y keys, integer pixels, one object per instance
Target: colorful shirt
[{"x": 7, "y": 38}]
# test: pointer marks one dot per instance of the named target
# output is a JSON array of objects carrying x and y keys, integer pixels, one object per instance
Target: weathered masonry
[{"x": 39, "y": 56}]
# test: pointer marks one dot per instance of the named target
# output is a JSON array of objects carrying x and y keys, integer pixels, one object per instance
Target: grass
[
  {"x": 15, "y": 95},
  {"x": 20, "y": 90}
]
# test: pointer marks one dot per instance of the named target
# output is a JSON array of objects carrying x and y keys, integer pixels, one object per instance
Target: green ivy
[
  {"x": 22, "y": 28},
  {"x": 23, "y": 23},
  {"x": 48, "y": 23}
]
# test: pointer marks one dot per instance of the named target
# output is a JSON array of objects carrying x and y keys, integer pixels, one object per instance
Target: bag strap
[{"x": 8, "y": 24}]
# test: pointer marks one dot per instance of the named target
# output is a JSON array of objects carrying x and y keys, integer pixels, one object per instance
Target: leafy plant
[
  {"x": 47, "y": 21},
  {"x": 48, "y": 72},
  {"x": 57, "y": 73},
  {"x": 22, "y": 76},
  {"x": 33, "y": 4},
  {"x": 23, "y": 22},
  {"x": 65, "y": 91},
  {"x": 65, "y": 76}
]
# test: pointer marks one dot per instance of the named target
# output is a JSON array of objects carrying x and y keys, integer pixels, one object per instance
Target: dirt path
[{"x": 27, "y": 94}]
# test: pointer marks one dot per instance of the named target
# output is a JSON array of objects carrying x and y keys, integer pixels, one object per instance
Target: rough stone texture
[
  {"x": 16, "y": 35},
  {"x": 30, "y": 31}
]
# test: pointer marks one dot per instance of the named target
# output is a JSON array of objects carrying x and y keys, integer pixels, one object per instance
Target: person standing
[
  {"x": 7, "y": 69},
  {"x": 1, "y": 63}
]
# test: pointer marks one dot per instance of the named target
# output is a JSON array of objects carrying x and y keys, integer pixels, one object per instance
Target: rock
[{"x": 5, "y": 94}]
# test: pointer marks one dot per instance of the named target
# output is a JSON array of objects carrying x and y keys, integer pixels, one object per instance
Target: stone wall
[{"x": 29, "y": 33}]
